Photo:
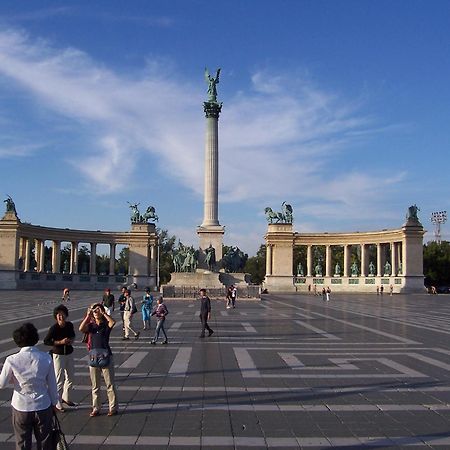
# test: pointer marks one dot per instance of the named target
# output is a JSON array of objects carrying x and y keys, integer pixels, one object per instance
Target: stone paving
[{"x": 288, "y": 372}]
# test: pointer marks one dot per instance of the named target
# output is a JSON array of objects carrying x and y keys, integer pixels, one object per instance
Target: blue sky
[{"x": 340, "y": 108}]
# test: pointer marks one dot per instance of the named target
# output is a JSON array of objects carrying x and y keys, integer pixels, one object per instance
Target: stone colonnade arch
[
  {"x": 20, "y": 267},
  {"x": 398, "y": 260}
]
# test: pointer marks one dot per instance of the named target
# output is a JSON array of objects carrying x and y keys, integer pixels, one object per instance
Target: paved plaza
[{"x": 286, "y": 372}]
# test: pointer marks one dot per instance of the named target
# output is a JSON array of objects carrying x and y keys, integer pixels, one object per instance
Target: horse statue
[
  {"x": 10, "y": 206},
  {"x": 135, "y": 214},
  {"x": 412, "y": 213},
  {"x": 234, "y": 260},
  {"x": 149, "y": 215},
  {"x": 272, "y": 216}
]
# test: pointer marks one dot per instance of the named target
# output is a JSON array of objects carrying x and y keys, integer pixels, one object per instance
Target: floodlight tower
[{"x": 438, "y": 218}]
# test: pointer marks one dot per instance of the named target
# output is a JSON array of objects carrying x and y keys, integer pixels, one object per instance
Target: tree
[
  {"x": 256, "y": 265},
  {"x": 122, "y": 263},
  {"x": 436, "y": 263},
  {"x": 166, "y": 249}
]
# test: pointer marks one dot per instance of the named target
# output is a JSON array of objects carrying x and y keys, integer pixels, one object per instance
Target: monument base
[
  {"x": 237, "y": 279},
  {"x": 200, "y": 279}
]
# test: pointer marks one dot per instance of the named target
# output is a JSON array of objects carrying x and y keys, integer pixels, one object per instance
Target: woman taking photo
[
  {"x": 99, "y": 325},
  {"x": 60, "y": 336}
]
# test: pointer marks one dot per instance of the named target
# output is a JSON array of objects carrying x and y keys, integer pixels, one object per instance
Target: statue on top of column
[
  {"x": 212, "y": 83},
  {"x": 137, "y": 217},
  {"x": 10, "y": 206},
  {"x": 412, "y": 213}
]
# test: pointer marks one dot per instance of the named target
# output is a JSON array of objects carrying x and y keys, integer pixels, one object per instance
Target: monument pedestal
[
  {"x": 198, "y": 279},
  {"x": 210, "y": 235}
]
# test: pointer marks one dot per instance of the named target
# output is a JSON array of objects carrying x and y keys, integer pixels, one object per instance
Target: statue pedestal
[{"x": 201, "y": 279}]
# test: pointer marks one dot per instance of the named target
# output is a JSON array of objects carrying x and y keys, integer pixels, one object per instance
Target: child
[
  {"x": 160, "y": 312},
  {"x": 66, "y": 295}
]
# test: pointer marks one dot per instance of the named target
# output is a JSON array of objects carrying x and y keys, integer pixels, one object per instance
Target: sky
[{"x": 340, "y": 108}]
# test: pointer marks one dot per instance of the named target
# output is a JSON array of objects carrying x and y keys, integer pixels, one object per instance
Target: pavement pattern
[{"x": 286, "y": 372}]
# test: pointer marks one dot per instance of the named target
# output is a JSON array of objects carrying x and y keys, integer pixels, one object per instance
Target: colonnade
[
  {"x": 17, "y": 258},
  {"x": 393, "y": 257}
]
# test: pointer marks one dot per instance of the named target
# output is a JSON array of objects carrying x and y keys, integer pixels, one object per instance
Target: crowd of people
[{"x": 43, "y": 381}]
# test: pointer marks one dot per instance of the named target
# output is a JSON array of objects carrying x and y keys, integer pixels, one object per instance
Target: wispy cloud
[{"x": 275, "y": 140}]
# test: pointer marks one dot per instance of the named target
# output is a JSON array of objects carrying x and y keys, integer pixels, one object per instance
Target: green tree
[
  {"x": 123, "y": 262},
  {"x": 166, "y": 249},
  {"x": 84, "y": 259},
  {"x": 436, "y": 263},
  {"x": 256, "y": 265}
]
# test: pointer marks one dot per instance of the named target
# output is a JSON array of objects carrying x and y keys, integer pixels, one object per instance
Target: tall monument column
[{"x": 210, "y": 232}]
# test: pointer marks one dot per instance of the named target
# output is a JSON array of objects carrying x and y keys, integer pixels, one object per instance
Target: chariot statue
[
  {"x": 285, "y": 216},
  {"x": 137, "y": 217},
  {"x": 412, "y": 213},
  {"x": 10, "y": 206}
]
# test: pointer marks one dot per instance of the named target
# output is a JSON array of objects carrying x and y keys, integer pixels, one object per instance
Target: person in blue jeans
[{"x": 160, "y": 312}]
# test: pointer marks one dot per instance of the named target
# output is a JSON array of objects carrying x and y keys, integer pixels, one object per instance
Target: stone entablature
[
  {"x": 398, "y": 260},
  {"x": 17, "y": 239}
]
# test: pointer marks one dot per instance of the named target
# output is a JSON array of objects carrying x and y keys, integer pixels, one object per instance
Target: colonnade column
[
  {"x": 268, "y": 260},
  {"x": 346, "y": 259},
  {"x": 93, "y": 259},
  {"x": 26, "y": 261},
  {"x": 328, "y": 261},
  {"x": 73, "y": 258},
  {"x": 153, "y": 262},
  {"x": 112, "y": 258},
  {"x": 309, "y": 261},
  {"x": 363, "y": 260},
  {"x": 41, "y": 261},
  {"x": 393, "y": 259},
  {"x": 379, "y": 261},
  {"x": 56, "y": 256}
]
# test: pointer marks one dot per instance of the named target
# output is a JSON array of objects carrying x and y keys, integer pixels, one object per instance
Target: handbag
[
  {"x": 99, "y": 357},
  {"x": 58, "y": 437}
]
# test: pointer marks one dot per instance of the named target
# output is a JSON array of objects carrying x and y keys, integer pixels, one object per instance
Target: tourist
[
  {"x": 129, "y": 311},
  {"x": 122, "y": 300},
  {"x": 233, "y": 296},
  {"x": 328, "y": 293},
  {"x": 60, "y": 337},
  {"x": 229, "y": 293},
  {"x": 378, "y": 290},
  {"x": 146, "y": 308},
  {"x": 205, "y": 312},
  {"x": 31, "y": 373},
  {"x": 98, "y": 325},
  {"x": 324, "y": 293},
  {"x": 160, "y": 312},
  {"x": 381, "y": 290},
  {"x": 391, "y": 290},
  {"x": 108, "y": 301},
  {"x": 66, "y": 295}
]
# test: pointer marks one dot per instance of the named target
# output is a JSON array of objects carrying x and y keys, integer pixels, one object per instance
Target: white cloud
[{"x": 277, "y": 141}]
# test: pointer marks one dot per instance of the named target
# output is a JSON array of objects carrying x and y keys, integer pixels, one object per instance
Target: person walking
[
  {"x": 160, "y": 312},
  {"x": 98, "y": 325},
  {"x": 108, "y": 301},
  {"x": 122, "y": 300},
  {"x": 31, "y": 373},
  {"x": 60, "y": 337},
  {"x": 328, "y": 293},
  {"x": 324, "y": 292},
  {"x": 229, "y": 292},
  {"x": 205, "y": 313},
  {"x": 129, "y": 311},
  {"x": 146, "y": 308},
  {"x": 233, "y": 296},
  {"x": 66, "y": 295}
]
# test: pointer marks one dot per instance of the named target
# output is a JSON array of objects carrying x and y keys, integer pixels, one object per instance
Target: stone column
[
  {"x": 93, "y": 259},
  {"x": 379, "y": 261},
  {"x": 309, "y": 261},
  {"x": 363, "y": 260},
  {"x": 393, "y": 259},
  {"x": 346, "y": 259},
  {"x": 210, "y": 231},
  {"x": 41, "y": 263},
  {"x": 153, "y": 261},
  {"x": 112, "y": 258},
  {"x": 56, "y": 257},
  {"x": 268, "y": 260},
  {"x": 73, "y": 258},
  {"x": 328, "y": 261},
  {"x": 26, "y": 262}
]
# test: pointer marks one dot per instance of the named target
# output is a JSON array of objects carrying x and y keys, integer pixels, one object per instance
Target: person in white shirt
[{"x": 35, "y": 394}]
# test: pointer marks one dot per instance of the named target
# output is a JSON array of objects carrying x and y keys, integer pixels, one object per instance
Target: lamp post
[{"x": 438, "y": 218}]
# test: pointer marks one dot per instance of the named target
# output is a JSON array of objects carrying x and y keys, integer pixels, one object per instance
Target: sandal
[{"x": 94, "y": 413}]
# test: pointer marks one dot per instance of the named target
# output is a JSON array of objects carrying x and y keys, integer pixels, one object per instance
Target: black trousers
[{"x": 204, "y": 320}]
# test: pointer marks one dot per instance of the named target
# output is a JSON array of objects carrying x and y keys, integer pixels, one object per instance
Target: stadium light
[{"x": 438, "y": 218}]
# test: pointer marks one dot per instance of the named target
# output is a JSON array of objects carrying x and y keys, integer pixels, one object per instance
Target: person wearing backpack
[
  {"x": 160, "y": 312},
  {"x": 130, "y": 310}
]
